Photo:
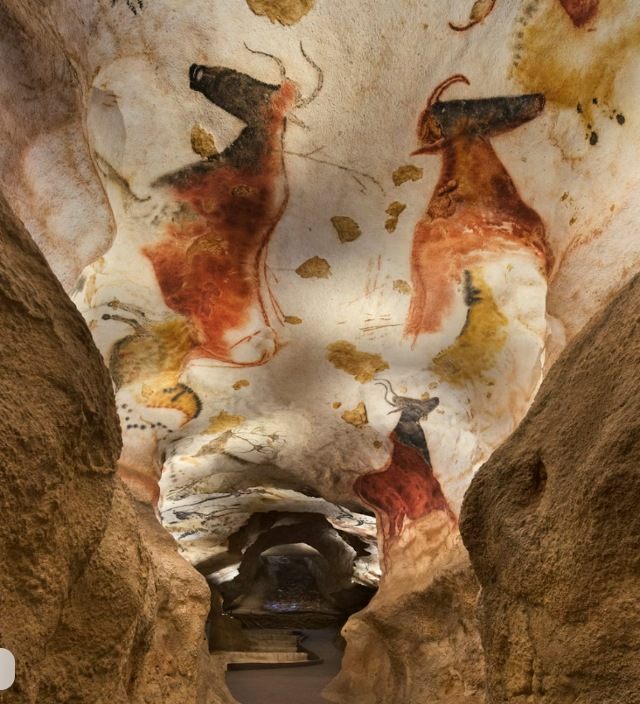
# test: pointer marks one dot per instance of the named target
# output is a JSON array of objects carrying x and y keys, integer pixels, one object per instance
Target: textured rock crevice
[
  {"x": 552, "y": 526},
  {"x": 97, "y": 604},
  {"x": 417, "y": 642}
]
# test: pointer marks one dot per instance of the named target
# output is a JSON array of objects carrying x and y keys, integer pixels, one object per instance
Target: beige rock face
[
  {"x": 97, "y": 605},
  {"x": 418, "y": 642},
  {"x": 552, "y": 526}
]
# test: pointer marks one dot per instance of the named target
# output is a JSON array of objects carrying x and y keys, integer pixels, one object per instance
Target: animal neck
[
  {"x": 258, "y": 147},
  {"x": 472, "y": 175},
  {"x": 409, "y": 432}
]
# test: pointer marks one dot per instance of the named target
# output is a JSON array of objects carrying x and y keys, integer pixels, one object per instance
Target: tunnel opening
[
  {"x": 288, "y": 585},
  {"x": 288, "y": 570}
]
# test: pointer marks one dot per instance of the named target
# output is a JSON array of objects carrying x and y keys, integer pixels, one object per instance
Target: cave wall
[
  {"x": 97, "y": 605},
  {"x": 552, "y": 527},
  {"x": 321, "y": 282}
]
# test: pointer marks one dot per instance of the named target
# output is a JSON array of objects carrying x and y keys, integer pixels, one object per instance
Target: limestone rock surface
[
  {"x": 552, "y": 526},
  {"x": 95, "y": 603},
  {"x": 59, "y": 441},
  {"x": 402, "y": 646}
]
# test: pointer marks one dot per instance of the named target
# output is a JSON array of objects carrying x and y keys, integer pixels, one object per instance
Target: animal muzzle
[
  {"x": 237, "y": 93},
  {"x": 486, "y": 116}
]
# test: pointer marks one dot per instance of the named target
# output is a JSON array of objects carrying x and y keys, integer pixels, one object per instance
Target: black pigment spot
[{"x": 593, "y": 139}]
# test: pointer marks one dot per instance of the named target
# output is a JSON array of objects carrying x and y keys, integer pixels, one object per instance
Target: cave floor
[{"x": 290, "y": 685}]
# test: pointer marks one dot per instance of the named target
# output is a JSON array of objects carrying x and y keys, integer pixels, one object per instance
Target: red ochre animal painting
[
  {"x": 406, "y": 488},
  {"x": 211, "y": 261},
  {"x": 580, "y": 12},
  {"x": 475, "y": 211}
]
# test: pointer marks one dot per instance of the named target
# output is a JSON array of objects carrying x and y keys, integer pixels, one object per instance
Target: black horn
[{"x": 303, "y": 102}]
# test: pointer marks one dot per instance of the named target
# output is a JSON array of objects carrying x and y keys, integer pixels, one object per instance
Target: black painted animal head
[
  {"x": 237, "y": 93},
  {"x": 414, "y": 409},
  {"x": 486, "y": 117},
  {"x": 245, "y": 97}
]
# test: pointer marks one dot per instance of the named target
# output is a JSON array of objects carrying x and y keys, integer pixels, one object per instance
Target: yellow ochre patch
[
  {"x": 357, "y": 417},
  {"x": 570, "y": 65},
  {"x": 347, "y": 228},
  {"x": 314, "y": 268},
  {"x": 409, "y": 172},
  {"x": 393, "y": 211},
  {"x": 363, "y": 366},
  {"x": 202, "y": 142},
  {"x": 480, "y": 342},
  {"x": 223, "y": 421},
  {"x": 286, "y": 12},
  {"x": 165, "y": 391}
]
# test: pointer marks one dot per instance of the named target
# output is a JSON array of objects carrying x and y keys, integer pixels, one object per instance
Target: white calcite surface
[{"x": 325, "y": 278}]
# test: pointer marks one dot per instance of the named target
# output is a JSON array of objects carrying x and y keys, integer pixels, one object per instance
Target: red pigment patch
[
  {"x": 145, "y": 488},
  {"x": 476, "y": 209},
  {"x": 581, "y": 11},
  {"x": 208, "y": 268},
  {"x": 406, "y": 488},
  {"x": 211, "y": 262}
]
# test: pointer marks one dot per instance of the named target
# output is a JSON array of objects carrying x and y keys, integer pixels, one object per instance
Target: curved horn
[
  {"x": 474, "y": 20},
  {"x": 387, "y": 387},
  {"x": 316, "y": 91},
  {"x": 440, "y": 89},
  {"x": 283, "y": 70}
]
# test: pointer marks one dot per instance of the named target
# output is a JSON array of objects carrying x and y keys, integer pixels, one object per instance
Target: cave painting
[
  {"x": 475, "y": 213},
  {"x": 223, "y": 422},
  {"x": 406, "y": 488},
  {"x": 580, "y": 12},
  {"x": 211, "y": 261},
  {"x": 153, "y": 355},
  {"x": 286, "y": 12},
  {"x": 483, "y": 336}
]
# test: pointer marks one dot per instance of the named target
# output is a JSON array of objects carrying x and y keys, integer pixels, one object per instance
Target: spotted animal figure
[
  {"x": 152, "y": 356},
  {"x": 211, "y": 261},
  {"x": 475, "y": 212},
  {"x": 406, "y": 488}
]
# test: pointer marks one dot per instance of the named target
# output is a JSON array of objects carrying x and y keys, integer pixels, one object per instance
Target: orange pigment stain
[
  {"x": 475, "y": 212},
  {"x": 581, "y": 12},
  {"x": 211, "y": 263}
]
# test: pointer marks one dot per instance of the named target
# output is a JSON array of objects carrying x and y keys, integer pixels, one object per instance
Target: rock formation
[
  {"x": 552, "y": 526},
  {"x": 402, "y": 646},
  {"x": 97, "y": 605}
]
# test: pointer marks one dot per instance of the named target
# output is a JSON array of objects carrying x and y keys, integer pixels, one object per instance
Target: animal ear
[{"x": 431, "y": 148}]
